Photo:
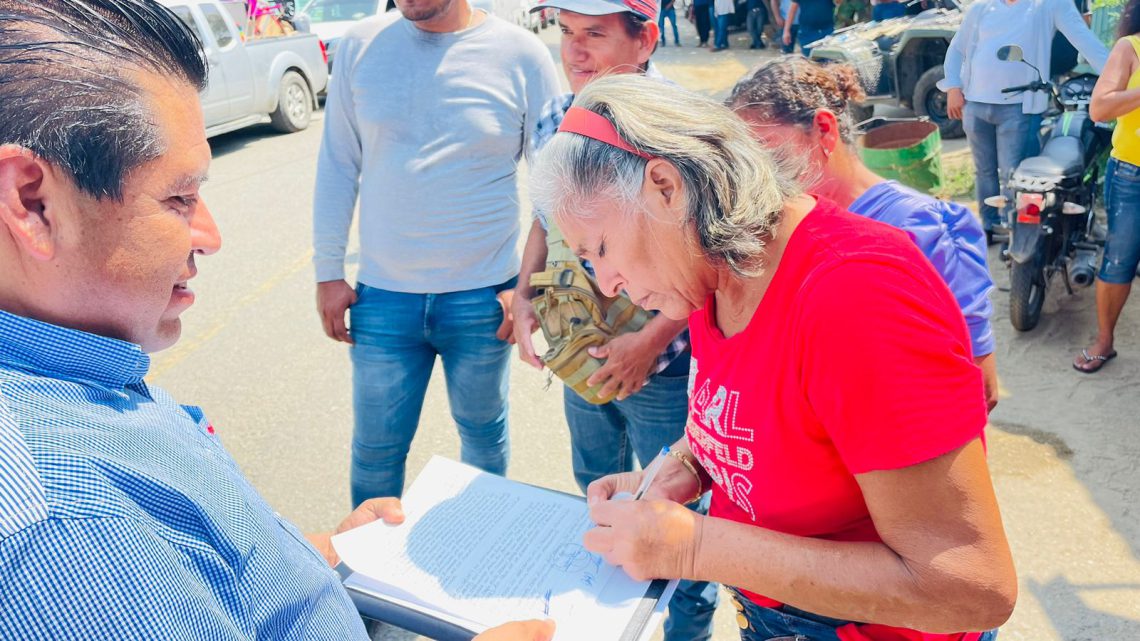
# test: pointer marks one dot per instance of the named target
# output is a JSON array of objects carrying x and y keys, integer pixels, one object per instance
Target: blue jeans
[
  {"x": 1122, "y": 204},
  {"x": 758, "y": 623},
  {"x": 999, "y": 138},
  {"x": 1033, "y": 138},
  {"x": 604, "y": 439},
  {"x": 720, "y": 40},
  {"x": 756, "y": 20},
  {"x": 398, "y": 337},
  {"x": 702, "y": 13},
  {"x": 808, "y": 36},
  {"x": 671, "y": 14},
  {"x": 887, "y": 11}
]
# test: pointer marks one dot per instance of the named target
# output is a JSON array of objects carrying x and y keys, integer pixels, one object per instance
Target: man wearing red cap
[{"x": 648, "y": 369}]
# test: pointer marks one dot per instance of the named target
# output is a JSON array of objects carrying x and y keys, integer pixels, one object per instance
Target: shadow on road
[
  {"x": 235, "y": 141},
  {"x": 1059, "y": 595}
]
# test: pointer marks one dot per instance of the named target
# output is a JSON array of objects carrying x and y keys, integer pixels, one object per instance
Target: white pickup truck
[{"x": 276, "y": 77}]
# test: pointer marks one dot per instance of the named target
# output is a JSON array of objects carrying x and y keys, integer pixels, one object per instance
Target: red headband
[{"x": 584, "y": 122}]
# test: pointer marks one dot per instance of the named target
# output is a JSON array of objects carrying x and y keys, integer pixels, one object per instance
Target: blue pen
[{"x": 651, "y": 472}]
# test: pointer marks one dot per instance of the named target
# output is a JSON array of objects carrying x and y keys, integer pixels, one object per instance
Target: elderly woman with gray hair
[{"x": 835, "y": 412}]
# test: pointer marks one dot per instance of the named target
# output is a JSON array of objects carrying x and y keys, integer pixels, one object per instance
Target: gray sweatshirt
[{"x": 427, "y": 129}]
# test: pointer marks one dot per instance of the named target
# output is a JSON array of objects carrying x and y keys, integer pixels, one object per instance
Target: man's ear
[
  {"x": 22, "y": 208},
  {"x": 647, "y": 42},
  {"x": 663, "y": 184}
]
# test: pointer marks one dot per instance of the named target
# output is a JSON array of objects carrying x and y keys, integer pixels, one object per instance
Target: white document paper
[{"x": 479, "y": 550}]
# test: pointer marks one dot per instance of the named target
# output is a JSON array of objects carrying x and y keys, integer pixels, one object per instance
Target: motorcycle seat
[{"x": 1062, "y": 157}]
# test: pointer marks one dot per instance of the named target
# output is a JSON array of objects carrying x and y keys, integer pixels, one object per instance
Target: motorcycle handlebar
[{"x": 1033, "y": 86}]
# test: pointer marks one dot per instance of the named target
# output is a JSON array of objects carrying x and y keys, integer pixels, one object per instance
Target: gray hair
[{"x": 734, "y": 189}]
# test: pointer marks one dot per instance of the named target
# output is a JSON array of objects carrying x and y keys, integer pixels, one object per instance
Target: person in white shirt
[
  {"x": 723, "y": 10},
  {"x": 999, "y": 125}
]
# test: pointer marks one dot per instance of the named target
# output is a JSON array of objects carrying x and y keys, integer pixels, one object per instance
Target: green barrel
[{"x": 909, "y": 152}]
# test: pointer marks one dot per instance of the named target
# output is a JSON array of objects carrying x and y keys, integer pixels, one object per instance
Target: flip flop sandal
[{"x": 1100, "y": 359}]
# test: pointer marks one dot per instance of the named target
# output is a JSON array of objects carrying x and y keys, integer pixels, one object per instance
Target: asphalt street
[{"x": 1064, "y": 447}]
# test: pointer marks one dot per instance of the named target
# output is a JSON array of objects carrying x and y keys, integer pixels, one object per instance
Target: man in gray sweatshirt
[{"x": 427, "y": 116}]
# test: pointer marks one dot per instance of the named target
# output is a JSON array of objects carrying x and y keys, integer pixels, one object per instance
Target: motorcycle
[{"x": 1051, "y": 218}]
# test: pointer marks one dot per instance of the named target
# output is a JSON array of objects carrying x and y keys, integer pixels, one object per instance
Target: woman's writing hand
[
  {"x": 674, "y": 482},
  {"x": 649, "y": 539},
  {"x": 607, "y": 487}
]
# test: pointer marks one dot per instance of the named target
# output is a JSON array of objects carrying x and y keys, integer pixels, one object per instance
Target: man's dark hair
[
  {"x": 789, "y": 90},
  {"x": 65, "y": 87},
  {"x": 634, "y": 25}
]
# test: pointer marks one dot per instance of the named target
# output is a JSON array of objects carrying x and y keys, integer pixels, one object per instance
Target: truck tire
[
  {"x": 294, "y": 104},
  {"x": 1026, "y": 294},
  {"x": 929, "y": 101}
]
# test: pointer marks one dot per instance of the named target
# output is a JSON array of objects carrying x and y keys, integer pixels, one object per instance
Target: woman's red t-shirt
[{"x": 857, "y": 360}]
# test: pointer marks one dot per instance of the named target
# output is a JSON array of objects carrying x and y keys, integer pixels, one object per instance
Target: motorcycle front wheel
[{"x": 1026, "y": 294}]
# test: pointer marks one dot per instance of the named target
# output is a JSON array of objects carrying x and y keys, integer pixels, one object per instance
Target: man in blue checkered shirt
[
  {"x": 121, "y": 515},
  {"x": 647, "y": 369}
]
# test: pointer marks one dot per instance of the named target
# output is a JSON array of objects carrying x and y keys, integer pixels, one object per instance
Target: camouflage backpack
[{"x": 575, "y": 316}]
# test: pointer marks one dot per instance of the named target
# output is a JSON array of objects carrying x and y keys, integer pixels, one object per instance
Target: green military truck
[{"x": 900, "y": 60}]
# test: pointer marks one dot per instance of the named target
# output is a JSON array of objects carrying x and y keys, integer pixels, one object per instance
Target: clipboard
[
  {"x": 452, "y": 570},
  {"x": 387, "y": 611}
]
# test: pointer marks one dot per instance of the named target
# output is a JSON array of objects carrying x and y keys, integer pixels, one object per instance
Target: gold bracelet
[{"x": 684, "y": 459}]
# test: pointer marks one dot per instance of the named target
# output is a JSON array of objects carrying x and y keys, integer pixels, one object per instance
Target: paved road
[{"x": 1064, "y": 447}]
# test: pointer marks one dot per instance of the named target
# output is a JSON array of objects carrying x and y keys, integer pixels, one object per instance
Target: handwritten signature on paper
[{"x": 573, "y": 559}]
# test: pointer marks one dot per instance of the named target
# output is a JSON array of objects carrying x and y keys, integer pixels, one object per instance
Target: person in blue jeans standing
[
  {"x": 757, "y": 18},
  {"x": 784, "y": 25},
  {"x": 649, "y": 369},
  {"x": 438, "y": 224},
  {"x": 702, "y": 19},
  {"x": 669, "y": 12},
  {"x": 1117, "y": 97},
  {"x": 722, "y": 11},
  {"x": 794, "y": 103},
  {"x": 816, "y": 20},
  {"x": 999, "y": 126}
]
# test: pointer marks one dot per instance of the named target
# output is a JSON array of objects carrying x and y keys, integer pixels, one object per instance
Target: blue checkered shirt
[
  {"x": 545, "y": 128},
  {"x": 122, "y": 517}
]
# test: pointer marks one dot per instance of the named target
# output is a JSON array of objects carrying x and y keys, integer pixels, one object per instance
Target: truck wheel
[
  {"x": 294, "y": 104},
  {"x": 1026, "y": 294},
  {"x": 929, "y": 101}
]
